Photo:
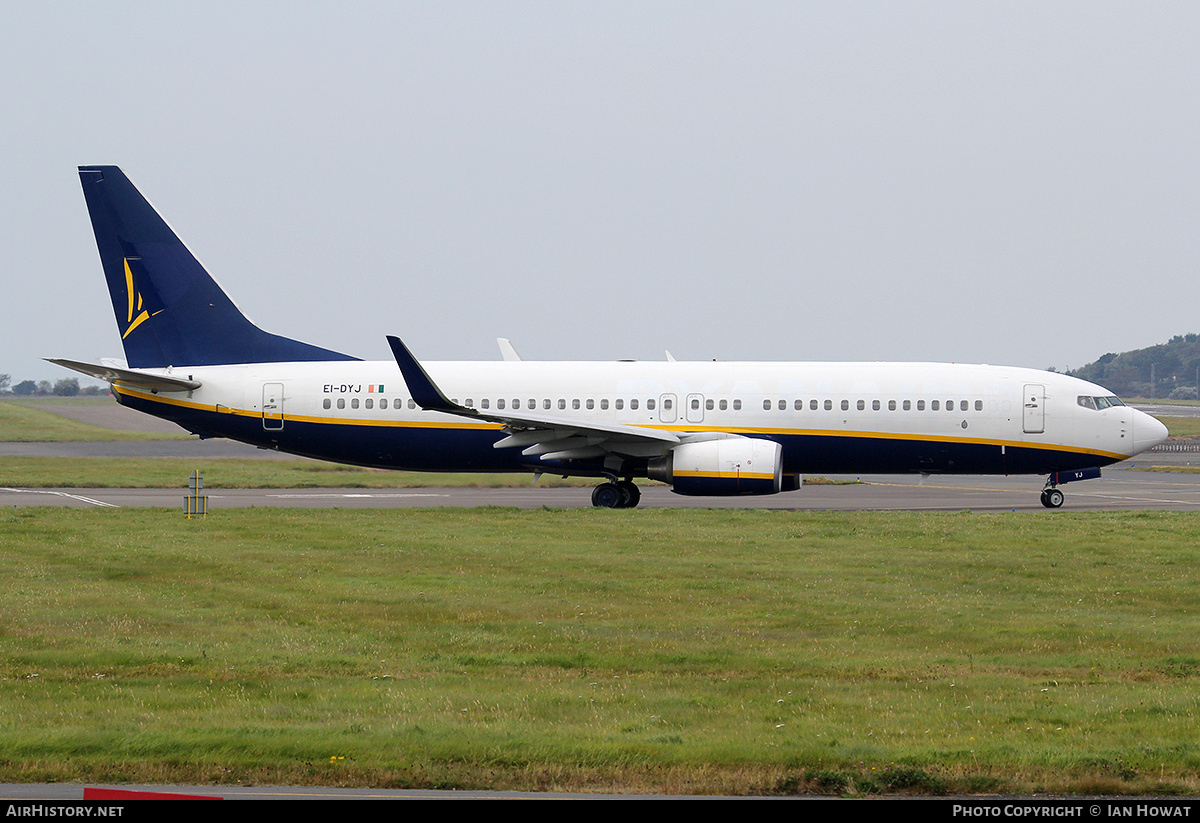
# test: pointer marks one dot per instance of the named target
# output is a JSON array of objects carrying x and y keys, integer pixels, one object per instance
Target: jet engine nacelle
[{"x": 727, "y": 466}]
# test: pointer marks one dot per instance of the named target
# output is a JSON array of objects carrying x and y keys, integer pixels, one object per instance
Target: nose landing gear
[{"x": 1052, "y": 498}]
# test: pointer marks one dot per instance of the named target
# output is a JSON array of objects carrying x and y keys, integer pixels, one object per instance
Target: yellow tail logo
[{"x": 135, "y": 304}]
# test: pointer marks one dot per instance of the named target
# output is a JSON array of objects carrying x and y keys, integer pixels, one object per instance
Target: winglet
[
  {"x": 424, "y": 391},
  {"x": 507, "y": 350}
]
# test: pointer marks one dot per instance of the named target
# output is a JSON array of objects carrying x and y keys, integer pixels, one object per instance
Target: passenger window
[
  {"x": 812, "y": 404},
  {"x": 862, "y": 404},
  {"x": 650, "y": 404},
  {"x": 846, "y": 405},
  {"x": 604, "y": 403},
  {"x": 575, "y": 404},
  {"x": 620, "y": 404},
  {"x": 354, "y": 403},
  {"x": 766, "y": 405},
  {"x": 978, "y": 405},
  {"x": 708, "y": 404},
  {"x": 781, "y": 405},
  {"x": 485, "y": 403},
  {"x": 369, "y": 403},
  {"x": 935, "y": 406},
  {"x": 908, "y": 405},
  {"x": 920, "y": 405},
  {"x": 412, "y": 404},
  {"x": 500, "y": 403},
  {"x": 891, "y": 405},
  {"x": 591, "y": 404},
  {"x": 383, "y": 402},
  {"x": 724, "y": 405},
  {"x": 798, "y": 405},
  {"x": 562, "y": 403},
  {"x": 633, "y": 404},
  {"x": 326, "y": 403},
  {"x": 828, "y": 405},
  {"x": 875, "y": 405},
  {"x": 341, "y": 403},
  {"x": 737, "y": 405}
]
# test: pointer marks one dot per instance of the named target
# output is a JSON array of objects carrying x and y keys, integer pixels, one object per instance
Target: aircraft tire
[
  {"x": 1052, "y": 498},
  {"x": 607, "y": 496},
  {"x": 631, "y": 495}
]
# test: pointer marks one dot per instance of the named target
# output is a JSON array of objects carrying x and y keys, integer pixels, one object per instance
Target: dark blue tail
[{"x": 170, "y": 312}]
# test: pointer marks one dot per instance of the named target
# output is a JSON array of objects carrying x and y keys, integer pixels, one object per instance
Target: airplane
[{"x": 703, "y": 428}]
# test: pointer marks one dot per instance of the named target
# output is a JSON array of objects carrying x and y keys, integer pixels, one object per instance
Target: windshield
[{"x": 1098, "y": 403}]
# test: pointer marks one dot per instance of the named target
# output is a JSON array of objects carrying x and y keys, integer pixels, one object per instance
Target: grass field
[
  {"x": 21, "y": 422},
  {"x": 239, "y": 473},
  {"x": 735, "y": 652}
]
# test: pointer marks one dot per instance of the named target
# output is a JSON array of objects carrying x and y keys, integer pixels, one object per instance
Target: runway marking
[
  {"x": 62, "y": 494},
  {"x": 947, "y": 488},
  {"x": 320, "y": 495},
  {"x": 1139, "y": 499}
]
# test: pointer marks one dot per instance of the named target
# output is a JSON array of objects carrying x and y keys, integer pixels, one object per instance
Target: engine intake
[{"x": 728, "y": 466}]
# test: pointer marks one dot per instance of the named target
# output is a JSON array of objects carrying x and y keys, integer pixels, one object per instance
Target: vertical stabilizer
[{"x": 169, "y": 311}]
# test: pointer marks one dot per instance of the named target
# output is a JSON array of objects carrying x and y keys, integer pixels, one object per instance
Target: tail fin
[{"x": 169, "y": 311}]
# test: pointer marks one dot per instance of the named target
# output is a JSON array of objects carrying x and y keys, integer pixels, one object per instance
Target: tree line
[
  {"x": 1170, "y": 370},
  {"x": 67, "y": 387}
]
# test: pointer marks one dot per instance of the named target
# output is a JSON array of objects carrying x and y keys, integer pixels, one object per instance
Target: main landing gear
[{"x": 620, "y": 495}]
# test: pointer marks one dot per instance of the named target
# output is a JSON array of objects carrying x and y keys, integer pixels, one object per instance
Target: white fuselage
[{"x": 829, "y": 417}]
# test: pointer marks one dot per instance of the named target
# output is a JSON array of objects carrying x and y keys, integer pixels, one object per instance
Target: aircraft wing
[
  {"x": 127, "y": 377},
  {"x": 542, "y": 436}
]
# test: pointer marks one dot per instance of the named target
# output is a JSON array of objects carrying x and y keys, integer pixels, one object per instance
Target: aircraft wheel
[
  {"x": 607, "y": 496},
  {"x": 1052, "y": 498},
  {"x": 631, "y": 495}
]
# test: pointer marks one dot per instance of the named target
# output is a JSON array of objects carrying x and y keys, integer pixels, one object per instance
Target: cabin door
[
  {"x": 1033, "y": 416},
  {"x": 272, "y": 406}
]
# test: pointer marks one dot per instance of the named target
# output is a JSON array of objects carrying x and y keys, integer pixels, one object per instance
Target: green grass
[
  {"x": 660, "y": 650},
  {"x": 240, "y": 473},
  {"x": 20, "y": 422},
  {"x": 1182, "y": 426}
]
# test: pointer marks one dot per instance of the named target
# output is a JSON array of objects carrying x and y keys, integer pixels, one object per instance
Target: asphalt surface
[{"x": 1123, "y": 488}]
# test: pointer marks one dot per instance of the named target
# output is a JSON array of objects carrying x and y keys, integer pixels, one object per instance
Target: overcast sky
[{"x": 1013, "y": 183}]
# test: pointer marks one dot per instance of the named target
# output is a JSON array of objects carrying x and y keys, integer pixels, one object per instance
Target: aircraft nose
[{"x": 1148, "y": 432}]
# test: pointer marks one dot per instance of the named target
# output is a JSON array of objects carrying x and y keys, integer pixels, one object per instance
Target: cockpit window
[{"x": 1099, "y": 403}]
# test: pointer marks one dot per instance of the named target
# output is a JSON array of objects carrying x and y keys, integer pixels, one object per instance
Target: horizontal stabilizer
[{"x": 126, "y": 377}]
